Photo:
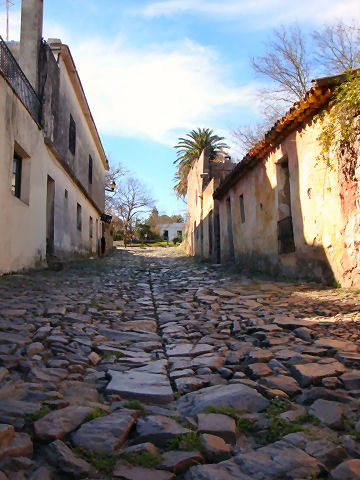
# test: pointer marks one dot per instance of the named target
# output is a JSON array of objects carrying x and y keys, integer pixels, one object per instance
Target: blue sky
[{"x": 154, "y": 70}]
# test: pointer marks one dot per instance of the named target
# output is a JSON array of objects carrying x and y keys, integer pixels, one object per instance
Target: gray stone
[
  {"x": 49, "y": 374},
  {"x": 352, "y": 445},
  {"x": 312, "y": 372},
  {"x": 190, "y": 384},
  {"x": 7, "y": 433},
  {"x": 141, "y": 447},
  {"x": 4, "y": 372},
  {"x": 326, "y": 452},
  {"x": 20, "y": 445},
  {"x": 188, "y": 350},
  {"x": 64, "y": 459},
  {"x": 282, "y": 382},
  {"x": 351, "y": 379},
  {"x": 215, "y": 448},
  {"x": 15, "y": 338},
  {"x": 217, "y": 424},
  {"x": 105, "y": 434},
  {"x": 259, "y": 355},
  {"x": 258, "y": 370},
  {"x": 329, "y": 413},
  {"x": 140, "y": 385},
  {"x": 278, "y": 461},
  {"x": 59, "y": 423},
  {"x": 235, "y": 395},
  {"x": 226, "y": 470},
  {"x": 349, "y": 470},
  {"x": 304, "y": 333},
  {"x": 126, "y": 471},
  {"x": 158, "y": 429},
  {"x": 177, "y": 461}
]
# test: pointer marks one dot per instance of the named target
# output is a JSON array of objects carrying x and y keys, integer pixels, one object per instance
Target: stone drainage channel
[{"x": 149, "y": 365}]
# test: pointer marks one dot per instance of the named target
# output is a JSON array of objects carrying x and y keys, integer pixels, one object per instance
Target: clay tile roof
[{"x": 315, "y": 98}]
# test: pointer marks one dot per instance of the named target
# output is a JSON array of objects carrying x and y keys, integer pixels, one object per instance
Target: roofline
[
  {"x": 315, "y": 99},
  {"x": 79, "y": 91}
]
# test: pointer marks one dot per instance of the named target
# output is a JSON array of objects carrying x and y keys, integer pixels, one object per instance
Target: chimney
[{"x": 30, "y": 38}]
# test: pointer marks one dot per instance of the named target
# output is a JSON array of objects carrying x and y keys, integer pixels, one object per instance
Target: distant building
[
  {"x": 202, "y": 235},
  {"x": 52, "y": 163},
  {"x": 280, "y": 210},
  {"x": 168, "y": 231}
]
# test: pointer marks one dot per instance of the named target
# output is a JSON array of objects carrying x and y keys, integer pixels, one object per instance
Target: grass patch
[
  {"x": 97, "y": 305},
  {"x": 143, "y": 459},
  {"x": 101, "y": 461},
  {"x": 95, "y": 413},
  {"x": 44, "y": 410},
  {"x": 276, "y": 407},
  {"x": 135, "y": 405},
  {"x": 108, "y": 354},
  {"x": 189, "y": 442}
]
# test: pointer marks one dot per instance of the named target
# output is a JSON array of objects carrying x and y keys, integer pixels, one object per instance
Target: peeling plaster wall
[
  {"x": 23, "y": 221},
  {"x": 325, "y": 215}
]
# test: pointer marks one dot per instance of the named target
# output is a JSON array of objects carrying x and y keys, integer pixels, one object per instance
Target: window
[
  {"x": 16, "y": 176},
  {"x": 72, "y": 136},
  {"x": 166, "y": 234},
  {"x": 66, "y": 194},
  {"x": 90, "y": 170},
  {"x": 242, "y": 209},
  {"x": 91, "y": 227},
  {"x": 78, "y": 217}
]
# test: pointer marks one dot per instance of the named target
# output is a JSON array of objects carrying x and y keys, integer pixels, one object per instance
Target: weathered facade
[
  {"x": 202, "y": 226},
  {"x": 52, "y": 166},
  {"x": 284, "y": 212}
]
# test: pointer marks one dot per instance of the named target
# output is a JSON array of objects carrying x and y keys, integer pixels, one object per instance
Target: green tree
[{"x": 189, "y": 149}]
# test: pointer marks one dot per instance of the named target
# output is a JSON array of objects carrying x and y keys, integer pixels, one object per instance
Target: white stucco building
[
  {"x": 52, "y": 163},
  {"x": 168, "y": 231}
]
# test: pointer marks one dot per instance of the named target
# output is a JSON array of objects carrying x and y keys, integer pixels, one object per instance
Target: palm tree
[{"x": 189, "y": 150}]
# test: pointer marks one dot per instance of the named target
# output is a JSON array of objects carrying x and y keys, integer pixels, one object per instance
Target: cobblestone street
[{"x": 146, "y": 359}]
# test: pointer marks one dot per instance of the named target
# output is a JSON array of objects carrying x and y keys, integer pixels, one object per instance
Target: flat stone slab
[
  {"x": 312, "y": 372},
  {"x": 16, "y": 338},
  {"x": 158, "y": 429},
  {"x": 140, "y": 385},
  {"x": 105, "y": 434},
  {"x": 62, "y": 457},
  {"x": 227, "y": 470},
  {"x": 234, "y": 395},
  {"x": 293, "y": 323},
  {"x": 126, "y": 471},
  {"x": 57, "y": 424},
  {"x": 188, "y": 350},
  {"x": 134, "y": 337},
  {"x": 177, "y": 461},
  {"x": 278, "y": 461},
  {"x": 217, "y": 424}
]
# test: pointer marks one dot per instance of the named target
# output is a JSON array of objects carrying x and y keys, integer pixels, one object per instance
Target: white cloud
[
  {"x": 264, "y": 13},
  {"x": 157, "y": 90}
]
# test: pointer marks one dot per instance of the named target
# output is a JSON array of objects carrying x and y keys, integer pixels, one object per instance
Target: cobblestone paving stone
[{"x": 147, "y": 364}]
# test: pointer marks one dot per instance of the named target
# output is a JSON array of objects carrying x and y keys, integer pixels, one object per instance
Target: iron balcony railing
[
  {"x": 286, "y": 235},
  {"x": 17, "y": 79}
]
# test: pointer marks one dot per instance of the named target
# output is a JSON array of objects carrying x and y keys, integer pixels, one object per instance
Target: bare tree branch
[{"x": 338, "y": 47}]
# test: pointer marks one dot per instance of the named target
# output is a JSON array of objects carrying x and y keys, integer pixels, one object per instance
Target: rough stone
[
  {"x": 312, "y": 372},
  {"x": 140, "y": 385},
  {"x": 217, "y": 424},
  {"x": 215, "y": 448},
  {"x": 177, "y": 461},
  {"x": 235, "y": 395},
  {"x": 105, "y": 434},
  {"x": 125, "y": 471},
  {"x": 278, "y": 461},
  {"x": 329, "y": 413},
  {"x": 348, "y": 470},
  {"x": 158, "y": 429},
  {"x": 59, "y": 423},
  {"x": 20, "y": 445},
  {"x": 64, "y": 459}
]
